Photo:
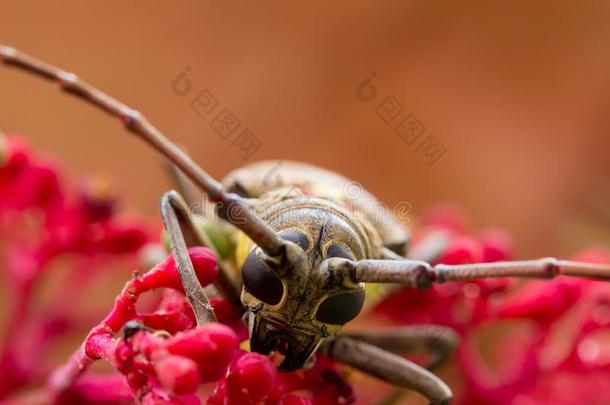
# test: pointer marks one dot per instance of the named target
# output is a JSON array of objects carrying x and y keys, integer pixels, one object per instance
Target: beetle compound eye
[
  {"x": 336, "y": 250},
  {"x": 261, "y": 281},
  {"x": 341, "y": 308},
  {"x": 295, "y": 236}
]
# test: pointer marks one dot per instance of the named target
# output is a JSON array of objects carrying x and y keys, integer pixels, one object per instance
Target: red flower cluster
[
  {"x": 159, "y": 356},
  {"x": 253, "y": 379},
  {"x": 165, "y": 357},
  {"x": 44, "y": 224},
  {"x": 522, "y": 342}
]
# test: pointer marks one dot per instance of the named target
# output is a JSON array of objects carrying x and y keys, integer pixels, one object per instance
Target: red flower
[{"x": 557, "y": 336}]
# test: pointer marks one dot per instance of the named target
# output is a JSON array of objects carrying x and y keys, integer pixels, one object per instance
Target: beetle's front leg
[
  {"x": 182, "y": 234},
  {"x": 387, "y": 366},
  {"x": 228, "y": 286},
  {"x": 440, "y": 341}
]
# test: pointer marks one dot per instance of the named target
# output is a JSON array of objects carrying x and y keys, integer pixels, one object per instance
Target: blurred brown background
[{"x": 517, "y": 92}]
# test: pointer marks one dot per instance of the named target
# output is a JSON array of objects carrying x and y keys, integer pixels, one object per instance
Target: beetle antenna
[
  {"x": 422, "y": 275},
  {"x": 230, "y": 207}
]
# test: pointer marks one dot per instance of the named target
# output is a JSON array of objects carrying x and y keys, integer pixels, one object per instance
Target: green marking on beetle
[{"x": 220, "y": 237}]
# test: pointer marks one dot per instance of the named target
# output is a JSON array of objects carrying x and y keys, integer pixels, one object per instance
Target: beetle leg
[
  {"x": 387, "y": 366},
  {"x": 441, "y": 341},
  {"x": 429, "y": 249},
  {"x": 182, "y": 233},
  {"x": 193, "y": 201},
  {"x": 180, "y": 236}
]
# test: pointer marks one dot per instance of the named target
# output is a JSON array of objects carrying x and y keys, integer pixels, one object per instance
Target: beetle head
[{"x": 295, "y": 305}]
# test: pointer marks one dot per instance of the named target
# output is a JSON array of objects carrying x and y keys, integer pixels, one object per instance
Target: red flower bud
[
  {"x": 211, "y": 346},
  {"x": 463, "y": 250},
  {"x": 177, "y": 374},
  {"x": 251, "y": 378}
]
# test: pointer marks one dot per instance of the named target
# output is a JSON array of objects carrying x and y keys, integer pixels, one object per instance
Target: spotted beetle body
[{"x": 293, "y": 312}]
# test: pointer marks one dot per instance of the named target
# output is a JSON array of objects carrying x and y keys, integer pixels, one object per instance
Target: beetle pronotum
[{"x": 304, "y": 275}]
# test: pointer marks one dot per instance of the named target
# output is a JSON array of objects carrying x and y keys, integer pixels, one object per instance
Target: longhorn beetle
[{"x": 308, "y": 259}]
